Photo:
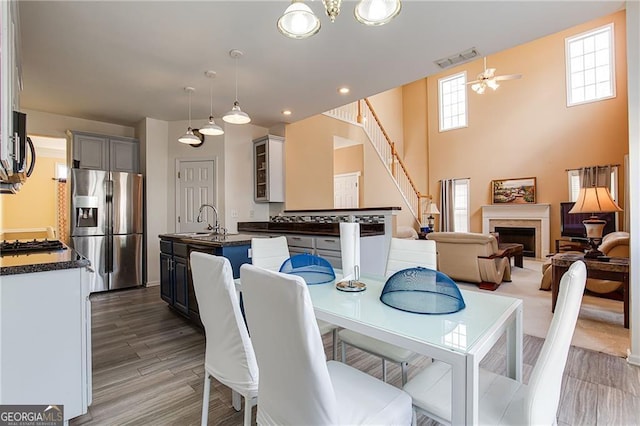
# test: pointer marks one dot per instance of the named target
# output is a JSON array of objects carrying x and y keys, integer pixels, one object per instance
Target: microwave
[{"x": 17, "y": 165}]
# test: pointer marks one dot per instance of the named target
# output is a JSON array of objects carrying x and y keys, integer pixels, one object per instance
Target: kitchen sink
[{"x": 194, "y": 234}]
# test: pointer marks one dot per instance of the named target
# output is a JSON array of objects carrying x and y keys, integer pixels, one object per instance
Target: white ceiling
[{"x": 121, "y": 61}]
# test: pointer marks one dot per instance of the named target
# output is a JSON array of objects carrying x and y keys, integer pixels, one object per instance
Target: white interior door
[
  {"x": 346, "y": 191},
  {"x": 195, "y": 185}
]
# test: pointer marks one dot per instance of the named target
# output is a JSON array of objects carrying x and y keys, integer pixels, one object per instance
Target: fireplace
[
  {"x": 524, "y": 236},
  {"x": 534, "y": 216}
]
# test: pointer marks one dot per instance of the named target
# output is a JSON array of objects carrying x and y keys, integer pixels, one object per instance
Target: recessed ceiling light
[
  {"x": 286, "y": 112},
  {"x": 343, "y": 90}
]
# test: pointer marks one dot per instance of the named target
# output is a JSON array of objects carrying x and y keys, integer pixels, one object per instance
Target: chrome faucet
[{"x": 216, "y": 227}]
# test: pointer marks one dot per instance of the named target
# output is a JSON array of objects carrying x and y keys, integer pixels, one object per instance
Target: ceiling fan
[{"x": 487, "y": 78}]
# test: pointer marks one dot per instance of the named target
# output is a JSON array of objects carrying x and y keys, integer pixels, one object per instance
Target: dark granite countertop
[
  {"x": 24, "y": 263},
  {"x": 361, "y": 210},
  {"x": 209, "y": 240},
  {"x": 309, "y": 228}
]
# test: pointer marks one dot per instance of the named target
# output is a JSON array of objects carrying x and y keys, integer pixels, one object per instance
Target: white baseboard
[
  {"x": 152, "y": 283},
  {"x": 633, "y": 359}
]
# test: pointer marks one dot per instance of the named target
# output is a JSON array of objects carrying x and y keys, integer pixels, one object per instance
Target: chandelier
[{"x": 298, "y": 21}]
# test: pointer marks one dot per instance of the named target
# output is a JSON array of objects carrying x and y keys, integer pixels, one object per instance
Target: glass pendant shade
[
  {"x": 377, "y": 12},
  {"x": 211, "y": 128},
  {"x": 493, "y": 84},
  {"x": 236, "y": 115},
  {"x": 298, "y": 21},
  {"x": 189, "y": 138}
]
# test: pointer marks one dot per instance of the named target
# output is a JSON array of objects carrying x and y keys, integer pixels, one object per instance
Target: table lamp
[
  {"x": 593, "y": 200},
  {"x": 432, "y": 209}
]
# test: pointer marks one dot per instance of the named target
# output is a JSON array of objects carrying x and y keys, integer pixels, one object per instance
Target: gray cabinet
[
  {"x": 100, "y": 152},
  {"x": 325, "y": 247},
  {"x": 268, "y": 169}
]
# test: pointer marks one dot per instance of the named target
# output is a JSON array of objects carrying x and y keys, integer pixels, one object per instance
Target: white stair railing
[{"x": 362, "y": 114}]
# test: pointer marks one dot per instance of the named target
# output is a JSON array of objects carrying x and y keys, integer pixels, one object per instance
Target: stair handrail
[{"x": 352, "y": 113}]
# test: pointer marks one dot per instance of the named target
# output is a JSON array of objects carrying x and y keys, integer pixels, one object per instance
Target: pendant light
[
  {"x": 211, "y": 128},
  {"x": 377, "y": 12},
  {"x": 298, "y": 21},
  {"x": 189, "y": 137},
  {"x": 236, "y": 115}
]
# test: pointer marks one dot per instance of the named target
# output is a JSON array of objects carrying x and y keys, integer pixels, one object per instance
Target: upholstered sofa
[
  {"x": 615, "y": 244},
  {"x": 471, "y": 257}
]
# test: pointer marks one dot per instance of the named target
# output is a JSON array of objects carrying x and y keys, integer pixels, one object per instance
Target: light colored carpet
[{"x": 600, "y": 323}]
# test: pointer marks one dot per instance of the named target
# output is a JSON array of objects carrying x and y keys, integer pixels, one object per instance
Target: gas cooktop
[{"x": 12, "y": 247}]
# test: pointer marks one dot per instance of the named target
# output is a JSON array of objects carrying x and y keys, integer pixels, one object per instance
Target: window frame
[
  {"x": 467, "y": 183},
  {"x": 575, "y": 174},
  {"x": 612, "y": 68},
  {"x": 465, "y": 102}
]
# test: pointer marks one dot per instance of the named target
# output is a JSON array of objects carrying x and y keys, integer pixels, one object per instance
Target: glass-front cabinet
[{"x": 268, "y": 169}]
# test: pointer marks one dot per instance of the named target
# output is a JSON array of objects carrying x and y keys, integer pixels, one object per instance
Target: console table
[{"x": 616, "y": 269}]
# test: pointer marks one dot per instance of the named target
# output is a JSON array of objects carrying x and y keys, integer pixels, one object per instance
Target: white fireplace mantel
[{"x": 515, "y": 212}]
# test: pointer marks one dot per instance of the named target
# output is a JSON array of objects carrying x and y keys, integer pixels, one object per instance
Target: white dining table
[{"x": 460, "y": 339}]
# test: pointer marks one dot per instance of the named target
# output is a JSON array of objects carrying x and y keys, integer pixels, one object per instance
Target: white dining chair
[
  {"x": 229, "y": 356},
  {"x": 271, "y": 253},
  {"x": 297, "y": 385},
  {"x": 403, "y": 254},
  {"x": 502, "y": 400}
]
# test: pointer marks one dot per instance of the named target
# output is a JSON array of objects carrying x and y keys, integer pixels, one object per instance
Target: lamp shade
[
  {"x": 211, "y": 128},
  {"x": 189, "y": 138},
  {"x": 236, "y": 115},
  {"x": 298, "y": 21},
  {"x": 595, "y": 199},
  {"x": 377, "y": 12},
  {"x": 432, "y": 209}
]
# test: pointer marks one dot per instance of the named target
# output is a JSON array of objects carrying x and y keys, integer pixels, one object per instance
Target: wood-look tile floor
[{"x": 148, "y": 370}]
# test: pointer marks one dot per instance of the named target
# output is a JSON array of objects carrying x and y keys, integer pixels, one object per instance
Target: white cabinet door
[{"x": 45, "y": 343}]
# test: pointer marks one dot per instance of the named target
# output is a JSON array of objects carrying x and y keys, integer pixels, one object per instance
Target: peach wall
[
  {"x": 388, "y": 106},
  {"x": 34, "y": 206},
  {"x": 348, "y": 160},
  {"x": 525, "y": 128},
  {"x": 310, "y": 169},
  {"x": 414, "y": 123}
]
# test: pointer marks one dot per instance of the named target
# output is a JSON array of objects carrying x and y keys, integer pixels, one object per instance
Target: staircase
[{"x": 361, "y": 113}]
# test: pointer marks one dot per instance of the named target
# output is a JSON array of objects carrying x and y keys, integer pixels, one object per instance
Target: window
[
  {"x": 574, "y": 184},
  {"x": 461, "y": 205},
  {"x": 590, "y": 66},
  {"x": 453, "y": 101}
]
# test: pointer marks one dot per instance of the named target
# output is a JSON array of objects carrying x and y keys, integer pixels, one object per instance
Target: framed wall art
[{"x": 513, "y": 191}]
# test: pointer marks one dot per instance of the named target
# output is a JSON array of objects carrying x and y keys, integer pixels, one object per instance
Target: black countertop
[
  {"x": 361, "y": 210},
  {"x": 209, "y": 240},
  {"x": 308, "y": 228},
  {"x": 24, "y": 263}
]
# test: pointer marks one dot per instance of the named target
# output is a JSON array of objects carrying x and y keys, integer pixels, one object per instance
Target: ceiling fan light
[
  {"x": 493, "y": 84},
  {"x": 211, "y": 128},
  {"x": 377, "y": 12},
  {"x": 298, "y": 21},
  {"x": 189, "y": 138},
  {"x": 236, "y": 115},
  {"x": 478, "y": 88}
]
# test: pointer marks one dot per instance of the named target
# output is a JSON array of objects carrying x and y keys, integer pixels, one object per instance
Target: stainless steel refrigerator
[{"x": 106, "y": 226}]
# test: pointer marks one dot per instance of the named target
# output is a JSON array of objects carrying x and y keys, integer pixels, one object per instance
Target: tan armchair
[
  {"x": 471, "y": 257},
  {"x": 615, "y": 244}
]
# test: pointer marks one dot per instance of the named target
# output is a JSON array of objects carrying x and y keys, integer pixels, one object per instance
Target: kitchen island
[
  {"x": 45, "y": 330},
  {"x": 176, "y": 283}
]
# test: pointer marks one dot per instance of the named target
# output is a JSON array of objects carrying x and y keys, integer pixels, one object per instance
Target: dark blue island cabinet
[{"x": 176, "y": 283}]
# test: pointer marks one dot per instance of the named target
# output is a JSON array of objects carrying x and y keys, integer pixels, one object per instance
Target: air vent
[{"x": 458, "y": 58}]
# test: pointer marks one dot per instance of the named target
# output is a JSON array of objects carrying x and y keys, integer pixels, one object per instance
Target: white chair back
[
  {"x": 269, "y": 253},
  {"x": 295, "y": 386},
  {"x": 545, "y": 383},
  {"x": 229, "y": 354},
  {"x": 405, "y": 254}
]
